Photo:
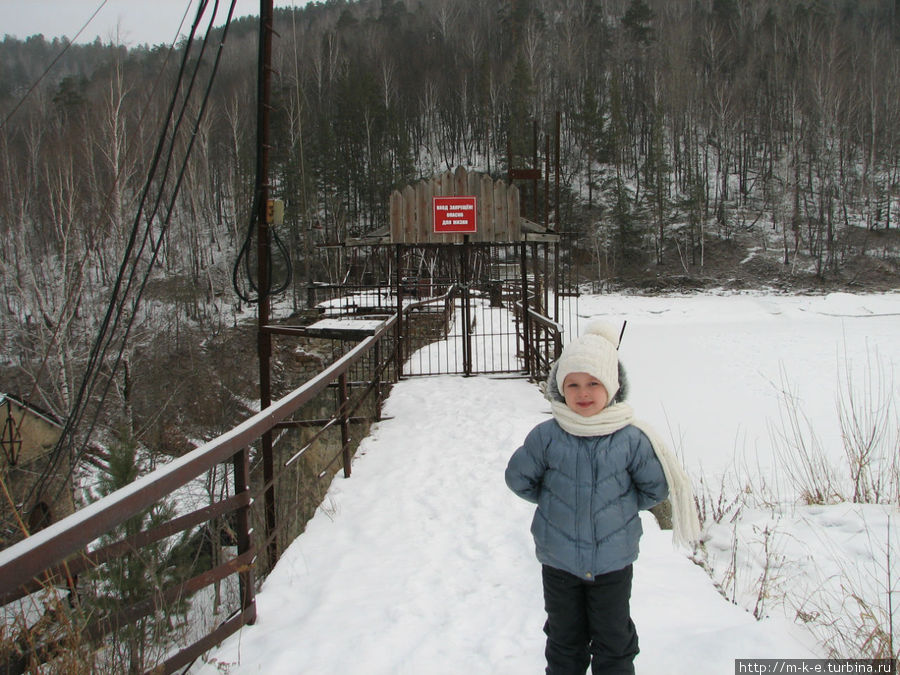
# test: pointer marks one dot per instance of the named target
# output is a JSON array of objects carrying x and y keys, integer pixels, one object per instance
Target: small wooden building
[
  {"x": 497, "y": 213},
  {"x": 29, "y": 436}
]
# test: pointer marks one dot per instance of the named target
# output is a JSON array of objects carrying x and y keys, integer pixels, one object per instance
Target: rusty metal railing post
[
  {"x": 343, "y": 403},
  {"x": 526, "y": 322},
  {"x": 398, "y": 343},
  {"x": 241, "y": 464},
  {"x": 557, "y": 345},
  {"x": 557, "y": 223},
  {"x": 449, "y": 306},
  {"x": 466, "y": 308},
  {"x": 379, "y": 392}
]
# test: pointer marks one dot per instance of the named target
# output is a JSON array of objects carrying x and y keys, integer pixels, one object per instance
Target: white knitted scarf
[{"x": 685, "y": 523}]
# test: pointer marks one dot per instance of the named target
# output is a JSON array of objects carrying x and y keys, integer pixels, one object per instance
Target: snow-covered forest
[{"x": 684, "y": 127}]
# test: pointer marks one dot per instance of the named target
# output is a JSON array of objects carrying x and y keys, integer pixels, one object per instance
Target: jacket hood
[{"x": 552, "y": 392}]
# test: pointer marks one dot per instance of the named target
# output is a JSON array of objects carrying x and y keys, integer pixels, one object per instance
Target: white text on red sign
[{"x": 455, "y": 214}]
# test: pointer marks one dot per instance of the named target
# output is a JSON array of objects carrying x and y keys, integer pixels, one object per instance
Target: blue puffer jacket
[{"x": 588, "y": 491}]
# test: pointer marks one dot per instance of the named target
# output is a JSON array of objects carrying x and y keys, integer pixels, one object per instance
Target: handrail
[
  {"x": 453, "y": 289},
  {"x": 60, "y": 551},
  {"x": 541, "y": 318},
  {"x": 71, "y": 534},
  {"x": 543, "y": 336}
]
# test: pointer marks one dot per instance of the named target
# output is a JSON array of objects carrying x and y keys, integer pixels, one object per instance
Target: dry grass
[{"x": 852, "y": 611}]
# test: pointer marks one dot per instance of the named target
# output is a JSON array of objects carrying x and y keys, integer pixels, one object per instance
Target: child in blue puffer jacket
[{"x": 590, "y": 470}]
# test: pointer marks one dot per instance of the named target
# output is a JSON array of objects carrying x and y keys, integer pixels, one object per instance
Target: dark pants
[{"x": 589, "y": 623}]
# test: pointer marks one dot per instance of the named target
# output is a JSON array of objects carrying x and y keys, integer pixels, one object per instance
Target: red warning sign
[{"x": 454, "y": 214}]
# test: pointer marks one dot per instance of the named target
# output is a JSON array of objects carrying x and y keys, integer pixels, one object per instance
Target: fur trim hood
[{"x": 552, "y": 392}]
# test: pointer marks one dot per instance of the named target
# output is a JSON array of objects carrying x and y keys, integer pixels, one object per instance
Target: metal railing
[
  {"x": 52, "y": 560},
  {"x": 57, "y": 560},
  {"x": 540, "y": 339}
]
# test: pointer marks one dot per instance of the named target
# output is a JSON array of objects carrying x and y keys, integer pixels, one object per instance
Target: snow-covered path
[{"x": 422, "y": 561}]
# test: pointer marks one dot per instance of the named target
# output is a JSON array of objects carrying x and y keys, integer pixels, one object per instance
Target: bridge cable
[
  {"x": 129, "y": 267},
  {"x": 50, "y": 67}
]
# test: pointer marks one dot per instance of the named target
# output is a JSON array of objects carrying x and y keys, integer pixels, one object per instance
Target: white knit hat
[{"x": 595, "y": 353}]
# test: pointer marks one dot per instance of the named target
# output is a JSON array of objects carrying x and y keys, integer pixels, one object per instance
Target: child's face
[{"x": 584, "y": 394}]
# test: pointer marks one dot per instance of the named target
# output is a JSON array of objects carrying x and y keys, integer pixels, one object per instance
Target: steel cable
[{"x": 129, "y": 267}]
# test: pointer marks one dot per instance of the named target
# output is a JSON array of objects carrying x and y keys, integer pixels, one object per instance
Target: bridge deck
[{"x": 422, "y": 562}]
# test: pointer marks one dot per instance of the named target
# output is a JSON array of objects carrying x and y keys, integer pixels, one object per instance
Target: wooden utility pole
[{"x": 264, "y": 339}]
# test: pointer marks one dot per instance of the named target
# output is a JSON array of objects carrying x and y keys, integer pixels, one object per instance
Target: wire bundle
[{"x": 151, "y": 222}]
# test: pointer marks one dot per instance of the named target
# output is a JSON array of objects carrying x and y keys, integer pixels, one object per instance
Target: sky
[
  {"x": 131, "y": 22},
  {"x": 422, "y": 560}
]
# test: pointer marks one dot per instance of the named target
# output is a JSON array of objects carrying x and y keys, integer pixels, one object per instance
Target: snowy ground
[{"x": 422, "y": 560}]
